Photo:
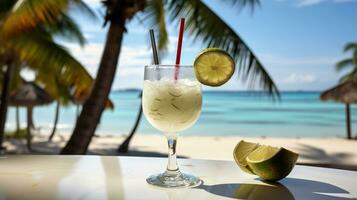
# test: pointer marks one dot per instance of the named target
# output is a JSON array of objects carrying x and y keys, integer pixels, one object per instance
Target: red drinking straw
[{"x": 179, "y": 46}]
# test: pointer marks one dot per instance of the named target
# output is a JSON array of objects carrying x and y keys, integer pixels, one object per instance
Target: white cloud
[
  {"x": 138, "y": 30},
  {"x": 299, "y": 61},
  {"x": 93, "y": 3},
  {"x": 342, "y": 1},
  {"x": 303, "y": 3},
  {"x": 132, "y": 60},
  {"x": 88, "y": 36},
  {"x": 295, "y": 78},
  {"x": 88, "y": 56}
]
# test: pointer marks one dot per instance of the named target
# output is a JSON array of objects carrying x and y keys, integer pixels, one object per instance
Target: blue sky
[{"x": 298, "y": 41}]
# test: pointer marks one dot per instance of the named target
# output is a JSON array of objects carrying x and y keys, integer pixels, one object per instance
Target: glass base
[{"x": 174, "y": 180}]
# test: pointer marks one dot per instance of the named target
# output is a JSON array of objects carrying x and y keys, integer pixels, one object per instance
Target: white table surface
[{"x": 105, "y": 177}]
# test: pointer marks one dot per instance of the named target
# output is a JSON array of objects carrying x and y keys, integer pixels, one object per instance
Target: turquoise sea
[{"x": 298, "y": 114}]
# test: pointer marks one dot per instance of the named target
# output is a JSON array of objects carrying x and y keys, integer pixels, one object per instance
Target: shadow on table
[
  {"x": 54, "y": 148},
  {"x": 288, "y": 189},
  {"x": 38, "y": 147},
  {"x": 319, "y": 157},
  {"x": 314, "y": 153}
]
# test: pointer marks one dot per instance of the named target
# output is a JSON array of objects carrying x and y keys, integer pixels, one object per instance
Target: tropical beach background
[
  {"x": 225, "y": 113},
  {"x": 299, "y": 43}
]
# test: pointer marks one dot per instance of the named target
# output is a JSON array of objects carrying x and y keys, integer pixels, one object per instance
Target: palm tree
[
  {"x": 124, "y": 146},
  {"x": 53, "y": 85},
  {"x": 202, "y": 23},
  {"x": 55, "y": 122},
  {"x": 18, "y": 127},
  {"x": 27, "y": 38},
  {"x": 63, "y": 94},
  {"x": 347, "y": 80},
  {"x": 349, "y": 63}
]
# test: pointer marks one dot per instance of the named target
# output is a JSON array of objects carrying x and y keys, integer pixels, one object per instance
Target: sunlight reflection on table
[{"x": 101, "y": 177}]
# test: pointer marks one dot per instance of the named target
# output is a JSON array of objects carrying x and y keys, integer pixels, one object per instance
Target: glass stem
[{"x": 172, "y": 167}]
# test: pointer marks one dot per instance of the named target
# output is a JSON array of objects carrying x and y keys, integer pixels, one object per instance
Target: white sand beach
[{"x": 335, "y": 152}]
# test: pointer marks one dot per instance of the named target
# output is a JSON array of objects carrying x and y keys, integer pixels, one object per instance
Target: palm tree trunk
[
  {"x": 77, "y": 111},
  {"x": 124, "y": 147},
  {"x": 348, "y": 121},
  {"x": 94, "y": 105},
  {"x": 55, "y": 122},
  {"x": 29, "y": 120},
  {"x": 32, "y": 126},
  {"x": 5, "y": 93},
  {"x": 17, "y": 120}
]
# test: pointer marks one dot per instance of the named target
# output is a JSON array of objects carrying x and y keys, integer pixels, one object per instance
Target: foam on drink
[{"x": 172, "y": 105}]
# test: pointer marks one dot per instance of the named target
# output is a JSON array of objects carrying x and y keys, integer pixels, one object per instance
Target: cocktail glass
[{"x": 171, "y": 103}]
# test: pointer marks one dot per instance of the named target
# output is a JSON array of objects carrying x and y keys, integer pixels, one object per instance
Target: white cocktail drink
[
  {"x": 172, "y": 105},
  {"x": 171, "y": 101}
]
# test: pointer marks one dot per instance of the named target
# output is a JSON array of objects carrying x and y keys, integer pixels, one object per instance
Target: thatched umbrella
[
  {"x": 29, "y": 95},
  {"x": 345, "y": 93}
]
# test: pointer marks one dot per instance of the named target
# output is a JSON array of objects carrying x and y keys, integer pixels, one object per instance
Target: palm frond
[
  {"x": 155, "y": 15},
  {"x": 66, "y": 28},
  {"x": 40, "y": 52},
  {"x": 16, "y": 78},
  {"x": 242, "y": 3},
  {"x": 350, "y": 46},
  {"x": 5, "y": 7},
  {"x": 83, "y": 8},
  {"x": 2, "y": 55},
  {"x": 27, "y": 14},
  {"x": 207, "y": 26},
  {"x": 56, "y": 70},
  {"x": 50, "y": 83},
  {"x": 351, "y": 75},
  {"x": 343, "y": 64}
]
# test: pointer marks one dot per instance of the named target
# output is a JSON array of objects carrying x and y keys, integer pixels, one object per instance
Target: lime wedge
[
  {"x": 214, "y": 67},
  {"x": 271, "y": 163},
  {"x": 240, "y": 153}
]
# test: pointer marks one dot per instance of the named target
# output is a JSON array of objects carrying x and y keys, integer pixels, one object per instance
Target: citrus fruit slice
[
  {"x": 214, "y": 67},
  {"x": 271, "y": 163},
  {"x": 240, "y": 153}
]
